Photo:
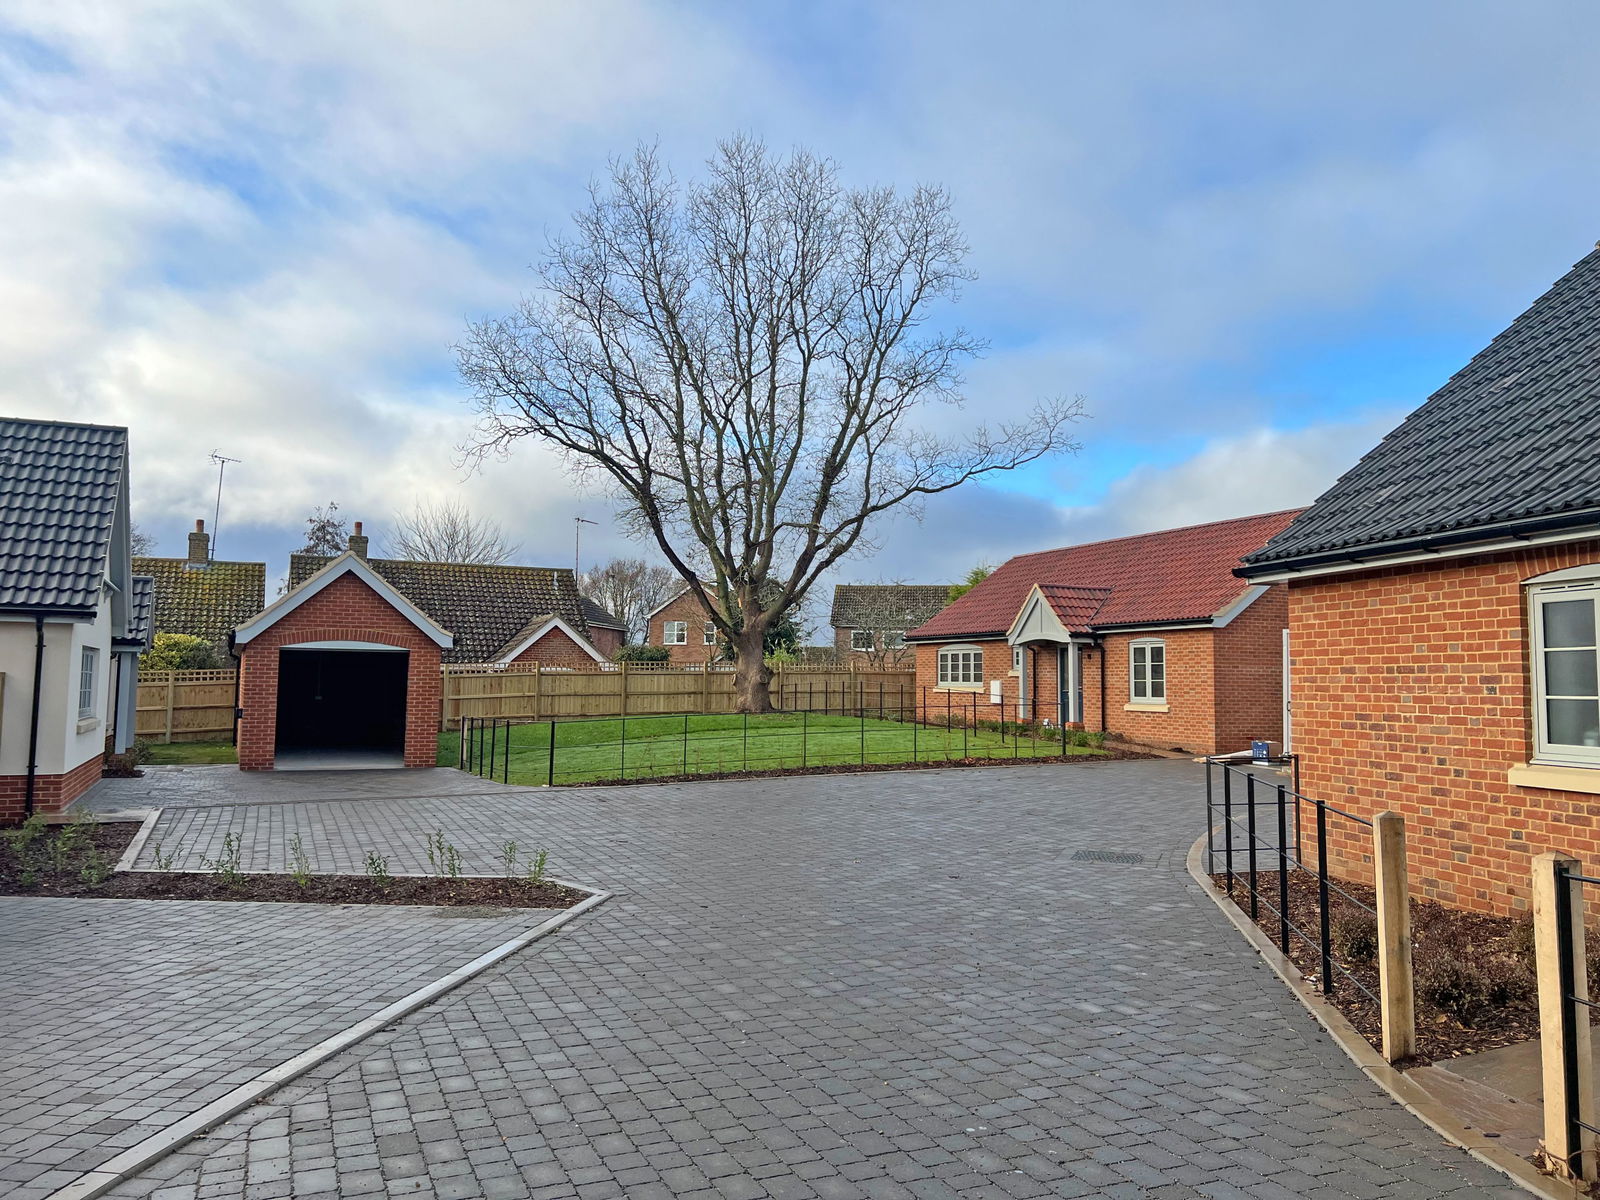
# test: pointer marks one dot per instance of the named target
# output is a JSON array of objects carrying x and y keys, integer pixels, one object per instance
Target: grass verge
[{"x": 167, "y": 754}]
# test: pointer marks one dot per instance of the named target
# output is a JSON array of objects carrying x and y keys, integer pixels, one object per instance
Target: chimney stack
[
  {"x": 199, "y": 546},
  {"x": 358, "y": 543}
]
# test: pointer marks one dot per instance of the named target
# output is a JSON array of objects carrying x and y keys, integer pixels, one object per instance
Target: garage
[{"x": 341, "y": 672}]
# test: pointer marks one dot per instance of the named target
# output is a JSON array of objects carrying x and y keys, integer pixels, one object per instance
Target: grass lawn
[
  {"x": 644, "y": 747},
  {"x": 164, "y": 754}
]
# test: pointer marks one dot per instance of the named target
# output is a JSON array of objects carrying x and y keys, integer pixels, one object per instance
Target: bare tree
[
  {"x": 629, "y": 589},
  {"x": 326, "y": 532},
  {"x": 140, "y": 543},
  {"x": 447, "y": 532},
  {"x": 884, "y": 612},
  {"x": 741, "y": 360}
]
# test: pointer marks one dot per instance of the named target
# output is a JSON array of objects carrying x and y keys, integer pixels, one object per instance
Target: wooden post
[
  {"x": 705, "y": 692},
  {"x": 444, "y": 692},
  {"x": 622, "y": 704},
  {"x": 1398, "y": 1000},
  {"x": 538, "y": 704},
  {"x": 1563, "y": 1026},
  {"x": 172, "y": 690}
]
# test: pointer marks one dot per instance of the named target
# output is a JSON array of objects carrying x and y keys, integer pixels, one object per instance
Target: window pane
[
  {"x": 1569, "y": 623},
  {"x": 1570, "y": 673},
  {"x": 1158, "y": 656},
  {"x": 1573, "y": 722}
]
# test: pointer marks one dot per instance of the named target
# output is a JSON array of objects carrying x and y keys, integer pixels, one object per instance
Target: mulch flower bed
[
  {"x": 1473, "y": 973},
  {"x": 857, "y": 768},
  {"x": 39, "y": 864}
]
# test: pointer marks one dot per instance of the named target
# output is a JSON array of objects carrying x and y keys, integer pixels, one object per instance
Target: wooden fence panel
[{"x": 184, "y": 706}]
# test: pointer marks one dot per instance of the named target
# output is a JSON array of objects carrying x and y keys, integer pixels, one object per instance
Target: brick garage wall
[
  {"x": 1249, "y": 673},
  {"x": 346, "y": 610},
  {"x": 1411, "y": 692},
  {"x": 51, "y": 793},
  {"x": 685, "y": 608},
  {"x": 556, "y": 649},
  {"x": 607, "y": 641}
]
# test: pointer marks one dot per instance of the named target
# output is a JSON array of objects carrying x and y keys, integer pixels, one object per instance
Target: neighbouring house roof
[
  {"x": 886, "y": 605},
  {"x": 536, "y": 629},
  {"x": 141, "y": 607},
  {"x": 60, "y": 488},
  {"x": 337, "y": 568},
  {"x": 204, "y": 600},
  {"x": 1168, "y": 577},
  {"x": 594, "y": 615},
  {"x": 484, "y": 606},
  {"x": 1510, "y": 445}
]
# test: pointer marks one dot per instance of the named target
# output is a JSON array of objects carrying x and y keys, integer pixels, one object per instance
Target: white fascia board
[
  {"x": 1249, "y": 596},
  {"x": 344, "y": 646},
  {"x": 554, "y": 623},
  {"x": 1036, "y": 603},
  {"x": 346, "y": 564},
  {"x": 1378, "y": 562},
  {"x": 667, "y": 603}
]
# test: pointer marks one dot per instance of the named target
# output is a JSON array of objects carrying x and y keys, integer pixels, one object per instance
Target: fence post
[
  {"x": 172, "y": 692},
  {"x": 1394, "y": 936},
  {"x": 1283, "y": 874},
  {"x": 444, "y": 693},
  {"x": 1563, "y": 1031},
  {"x": 550, "y": 774},
  {"x": 1250, "y": 832},
  {"x": 538, "y": 702},
  {"x": 1325, "y": 931},
  {"x": 1227, "y": 826},
  {"x": 1211, "y": 815},
  {"x": 622, "y": 703}
]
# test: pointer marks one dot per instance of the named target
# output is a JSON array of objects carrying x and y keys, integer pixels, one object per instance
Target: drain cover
[{"x": 1107, "y": 856}]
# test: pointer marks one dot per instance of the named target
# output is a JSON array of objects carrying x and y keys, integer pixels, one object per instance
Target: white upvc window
[
  {"x": 961, "y": 666},
  {"x": 1016, "y": 660},
  {"x": 88, "y": 678},
  {"x": 861, "y": 639},
  {"x": 894, "y": 639},
  {"x": 1566, "y": 672},
  {"x": 1147, "y": 672},
  {"x": 674, "y": 633},
  {"x": 711, "y": 633}
]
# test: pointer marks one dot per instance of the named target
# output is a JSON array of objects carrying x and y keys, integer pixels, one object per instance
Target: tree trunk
[{"x": 751, "y": 675}]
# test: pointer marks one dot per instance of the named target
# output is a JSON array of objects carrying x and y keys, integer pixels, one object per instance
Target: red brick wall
[
  {"x": 686, "y": 607},
  {"x": 1190, "y": 720},
  {"x": 1249, "y": 673},
  {"x": 556, "y": 649},
  {"x": 346, "y": 610},
  {"x": 1411, "y": 692},
  {"x": 607, "y": 641},
  {"x": 51, "y": 793}
]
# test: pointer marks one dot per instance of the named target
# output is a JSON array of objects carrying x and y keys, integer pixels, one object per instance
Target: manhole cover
[{"x": 1107, "y": 856}]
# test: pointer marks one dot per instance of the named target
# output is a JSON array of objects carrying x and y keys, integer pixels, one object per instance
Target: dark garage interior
[{"x": 330, "y": 700}]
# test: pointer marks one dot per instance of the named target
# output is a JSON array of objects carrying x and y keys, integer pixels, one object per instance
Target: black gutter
[
  {"x": 33, "y": 724},
  {"x": 1373, "y": 553}
]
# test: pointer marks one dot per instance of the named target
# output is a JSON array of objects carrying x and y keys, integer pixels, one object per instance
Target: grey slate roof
[
  {"x": 207, "y": 600},
  {"x": 59, "y": 488},
  {"x": 886, "y": 605},
  {"x": 141, "y": 609},
  {"x": 1512, "y": 440},
  {"x": 484, "y": 606},
  {"x": 595, "y": 615}
]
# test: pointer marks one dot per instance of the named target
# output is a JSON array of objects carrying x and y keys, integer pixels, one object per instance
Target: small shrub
[
  {"x": 299, "y": 864},
  {"x": 96, "y": 868},
  {"x": 1355, "y": 936},
  {"x": 508, "y": 858},
  {"x": 443, "y": 858},
  {"x": 535, "y": 871},
  {"x": 23, "y": 841},
  {"x": 140, "y": 750},
  {"x": 121, "y": 766},
  {"x": 164, "y": 858},
  {"x": 378, "y": 869},
  {"x": 226, "y": 865},
  {"x": 652, "y": 654},
  {"x": 69, "y": 840},
  {"x": 1471, "y": 987},
  {"x": 1520, "y": 942}
]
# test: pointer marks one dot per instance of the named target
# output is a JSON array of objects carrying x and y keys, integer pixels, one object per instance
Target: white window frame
[
  {"x": 894, "y": 639},
  {"x": 1146, "y": 645},
  {"x": 1016, "y": 660},
  {"x": 1545, "y": 751},
  {"x": 674, "y": 633},
  {"x": 89, "y": 683},
  {"x": 960, "y": 668},
  {"x": 856, "y": 637},
  {"x": 711, "y": 633}
]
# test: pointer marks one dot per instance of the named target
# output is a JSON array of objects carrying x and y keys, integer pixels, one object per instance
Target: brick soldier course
[{"x": 822, "y": 987}]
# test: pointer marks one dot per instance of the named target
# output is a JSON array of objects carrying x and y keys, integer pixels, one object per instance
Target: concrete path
[{"x": 893, "y": 985}]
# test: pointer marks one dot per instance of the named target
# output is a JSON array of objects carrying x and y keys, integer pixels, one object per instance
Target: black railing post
[
  {"x": 1211, "y": 815},
  {"x": 863, "y": 709},
  {"x": 1283, "y": 870},
  {"x": 1322, "y": 897},
  {"x": 1227, "y": 824},
  {"x": 494, "y": 745},
  {"x": 622, "y": 764},
  {"x": 1567, "y": 977},
  {"x": 685, "y": 743},
  {"x": 507, "y": 778},
  {"x": 1250, "y": 830},
  {"x": 550, "y": 774},
  {"x": 746, "y": 741},
  {"x": 805, "y": 715}
]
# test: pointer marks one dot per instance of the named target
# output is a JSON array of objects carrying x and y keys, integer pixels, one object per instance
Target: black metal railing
[
  {"x": 1575, "y": 1008},
  {"x": 1233, "y": 796}
]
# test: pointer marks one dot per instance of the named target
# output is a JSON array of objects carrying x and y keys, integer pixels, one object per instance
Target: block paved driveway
[{"x": 890, "y": 985}]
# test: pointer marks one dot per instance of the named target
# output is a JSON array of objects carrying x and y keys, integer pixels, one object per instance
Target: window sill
[
  {"x": 1147, "y": 706},
  {"x": 1556, "y": 779},
  {"x": 85, "y": 724},
  {"x": 961, "y": 687}
]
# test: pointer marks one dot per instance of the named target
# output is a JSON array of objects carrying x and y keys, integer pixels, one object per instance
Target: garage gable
[{"x": 345, "y": 565}]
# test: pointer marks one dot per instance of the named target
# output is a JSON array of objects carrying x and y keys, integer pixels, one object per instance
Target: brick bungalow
[
  {"x": 1151, "y": 638},
  {"x": 1443, "y": 599},
  {"x": 498, "y": 614},
  {"x": 341, "y": 663},
  {"x": 870, "y": 619}
]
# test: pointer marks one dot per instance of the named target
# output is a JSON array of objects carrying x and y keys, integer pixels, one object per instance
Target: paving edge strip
[
  {"x": 146, "y": 828},
  {"x": 1410, "y": 1095},
  {"x": 137, "y": 1157}
]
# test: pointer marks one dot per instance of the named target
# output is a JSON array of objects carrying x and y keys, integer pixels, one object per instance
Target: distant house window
[
  {"x": 711, "y": 633},
  {"x": 894, "y": 639},
  {"x": 1566, "y": 673},
  {"x": 1016, "y": 658},
  {"x": 861, "y": 639},
  {"x": 675, "y": 633},
  {"x": 1147, "y": 672},
  {"x": 960, "y": 666},
  {"x": 88, "y": 675}
]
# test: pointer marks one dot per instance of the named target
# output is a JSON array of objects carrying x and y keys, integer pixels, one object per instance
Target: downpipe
[{"x": 33, "y": 719}]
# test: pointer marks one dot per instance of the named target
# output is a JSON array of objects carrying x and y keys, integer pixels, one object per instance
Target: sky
[{"x": 1251, "y": 236}]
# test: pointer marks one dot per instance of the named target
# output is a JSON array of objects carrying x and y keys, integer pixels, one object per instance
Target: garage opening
[{"x": 341, "y": 709}]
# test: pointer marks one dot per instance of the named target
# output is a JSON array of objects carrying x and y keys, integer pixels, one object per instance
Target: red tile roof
[{"x": 1173, "y": 575}]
